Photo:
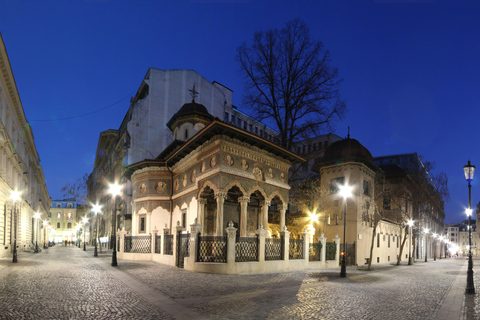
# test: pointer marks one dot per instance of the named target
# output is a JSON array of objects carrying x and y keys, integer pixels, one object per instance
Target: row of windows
[
  {"x": 237, "y": 121},
  {"x": 312, "y": 147},
  {"x": 69, "y": 225},
  {"x": 388, "y": 236}
]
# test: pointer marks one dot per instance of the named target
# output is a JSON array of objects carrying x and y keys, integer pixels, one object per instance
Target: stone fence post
[
  {"x": 323, "y": 241},
  {"x": 195, "y": 231},
  {"x": 121, "y": 235},
  {"x": 306, "y": 245},
  {"x": 154, "y": 238},
  {"x": 262, "y": 234},
  {"x": 337, "y": 255},
  {"x": 285, "y": 234},
  {"x": 166, "y": 231},
  {"x": 178, "y": 230},
  {"x": 231, "y": 234}
]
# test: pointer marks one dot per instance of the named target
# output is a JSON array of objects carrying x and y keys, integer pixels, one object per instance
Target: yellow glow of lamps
[
  {"x": 410, "y": 223},
  {"x": 469, "y": 170},
  {"x": 36, "y": 215},
  {"x": 96, "y": 208},
  {"x": 115, "y": 189},
  {"x": 15, "y": 195},
  {"x": 346, "y": 191},
  {"x": 426, "y": 231},
  {"x": 84, "y": 220},
  {"x": 469, "y": 212}
]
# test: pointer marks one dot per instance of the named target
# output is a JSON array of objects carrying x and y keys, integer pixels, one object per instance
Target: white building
[{"x": 20, "y": 170}]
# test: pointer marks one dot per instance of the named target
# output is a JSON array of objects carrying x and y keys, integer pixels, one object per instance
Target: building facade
[
  {"x": 20, "y": 170},
  {"x": 65, "y": 219}
]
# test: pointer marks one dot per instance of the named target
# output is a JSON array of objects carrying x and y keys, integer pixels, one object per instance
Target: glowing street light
[
  {"x": 469, "y": 170},
  {"x": 345, "y": 192}
]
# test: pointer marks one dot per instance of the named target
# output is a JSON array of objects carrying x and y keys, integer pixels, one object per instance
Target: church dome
[
  {"x": 190, "y": 110},
  {"x": 347, "y": 150}
]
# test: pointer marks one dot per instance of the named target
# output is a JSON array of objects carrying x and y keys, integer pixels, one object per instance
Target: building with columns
[{"x": 20, "y": 171}]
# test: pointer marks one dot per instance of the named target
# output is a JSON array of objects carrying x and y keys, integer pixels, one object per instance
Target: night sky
[{"x": 410, "y": 69}]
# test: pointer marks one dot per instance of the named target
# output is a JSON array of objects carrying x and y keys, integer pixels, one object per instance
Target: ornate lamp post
[
  {"x": 45, "y": 234},
  {"x": 345, "y": 192},
  {"x": 426, "y": 238},
  {"x": 36, "y": 216},
  {"x": 114, "y": 190},
  {"x": 435, "y": 247},
  {"x": 410, "y": 224},
  {"x": 84, "y": 220},
  {"x": 96, "y": 210},
  {"x": 469, "y": 170},
  {"x": 15, "y": 195},
  {"x": 441, "y": 246}
]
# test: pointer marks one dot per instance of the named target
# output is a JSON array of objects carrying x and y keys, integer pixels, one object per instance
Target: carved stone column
[
  {"x": 264, "y": 210},
  {"x": 202, "y": 202},
  {"x": 148, "y": 222},
  {"x": 243, "y": 215},
  {"x": 283, "y": 210},
  {"x": 220, "y": 197}
]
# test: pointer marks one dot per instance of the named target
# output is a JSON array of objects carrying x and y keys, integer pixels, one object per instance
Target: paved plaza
[{"x": 69, "y": 283}]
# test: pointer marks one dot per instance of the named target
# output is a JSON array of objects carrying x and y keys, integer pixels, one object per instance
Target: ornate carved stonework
[
  {"x": 142, "y": 188},
  {"x": 257, "y": 173},
  {"x": 270, "y": 172},
  {"x": 176, "y": 184},
  {"x": 203, "y": 167},
  {"x": 282, "y": 176}
]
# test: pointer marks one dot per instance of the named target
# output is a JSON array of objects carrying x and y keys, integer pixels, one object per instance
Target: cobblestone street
[{"x": 68, "y": 283}]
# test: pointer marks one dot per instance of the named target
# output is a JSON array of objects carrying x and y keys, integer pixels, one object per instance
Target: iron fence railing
[
  {"x": 246, "y": 249},
  {"x": 138, "y": 244},
  {"x": 315, "y": 252},
  {"x": 212, "y": 249},
  {"x": 295, "y": 249},
  {"x": 331, "y": 251},
  {"x": 273, "y": 248},
  {"x": 168, "y": 245},
  {"x": 158, "y": 243}
]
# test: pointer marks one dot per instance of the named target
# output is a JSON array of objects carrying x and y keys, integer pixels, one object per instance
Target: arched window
[
  {"x": 58, "y": 225},
  {"x": 69, "y": 225}
]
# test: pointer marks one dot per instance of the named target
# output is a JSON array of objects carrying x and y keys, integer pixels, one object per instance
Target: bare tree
[
  {"x": 78, "y": 189},
  {"x": 290, "y": 82}
]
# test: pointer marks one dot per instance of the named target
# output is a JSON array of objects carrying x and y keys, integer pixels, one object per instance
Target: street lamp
[
  {"x": 345, "y": 192},
  {"x": 15, "y": 195},
  {"x": 410, "y": 224},
  {"x": 426, "y": 239},
  {"x": 441, "y": 246},
  {"x": 84, "y": 220},
  {"x": 114, "y": 190},
  {"x": 37, "y": 216},
  {"x": 45, "y": 234},
  {"x": 96, "y": 210},
  {"x": 435, "y": 247},
  {"x": 469, "y": 170}
]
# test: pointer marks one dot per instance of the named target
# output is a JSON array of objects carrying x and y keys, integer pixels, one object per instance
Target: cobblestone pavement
[{"x": 68, "y": 283}]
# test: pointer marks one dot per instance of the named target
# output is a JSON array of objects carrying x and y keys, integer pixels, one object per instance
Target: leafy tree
[
  {"x": 290, "y": 82},
  {"x": 78, "y": 189}
]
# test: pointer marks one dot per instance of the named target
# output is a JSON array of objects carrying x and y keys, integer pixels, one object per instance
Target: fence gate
[{"x": 183, "y": 241}]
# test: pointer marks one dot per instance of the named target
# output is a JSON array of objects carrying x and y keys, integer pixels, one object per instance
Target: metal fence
[
  {"x": 212, "y": 249},
  {"x": 138, "y": 244},
  {"x": 295, "y": 249},
  {"x": 168, "y": 244},
  {"x": 246, "y": 249},
  {"x": 331, "y": 251},
  {"x": 315, "y": 252},
  {"x": 158, "y": 243},
  {"x": 273, "y": 248}
]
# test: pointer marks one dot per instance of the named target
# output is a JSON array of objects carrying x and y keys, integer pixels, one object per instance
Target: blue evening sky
[{"x": 410, "y": 69}]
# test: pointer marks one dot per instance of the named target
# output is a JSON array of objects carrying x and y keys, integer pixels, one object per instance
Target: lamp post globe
[
  {"x": 469, "y": 170},
  {"x": 345, "y": 192}
]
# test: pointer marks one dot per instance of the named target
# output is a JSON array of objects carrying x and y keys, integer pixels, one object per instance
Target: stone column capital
[
  {"x": 284, "y": 206},
  {"x": 202, "y": 200},
  {"x": 221, "y": 195},
  {"x": 245, "y": 199},
  {"x": 265, "y": 203}
]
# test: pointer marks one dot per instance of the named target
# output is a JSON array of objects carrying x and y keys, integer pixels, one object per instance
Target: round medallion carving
[
  {"x": 257, "y": 173},
  {"x": 213, "y": 161},
  {"x": 282, "y": 176},
  {"x": 229, "y": 160},
  {"x": 244, "y": 164},
  {"x": 193, "y": 175},
  {"x": 176, "y": 184},
  {"x": 270, "y": 172},
  {"x": 160, "y": 187},
  {"x": 203, "y": 167},
  {"x": 142, "y": 188},
  {"x": 184, "y": 180}
]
